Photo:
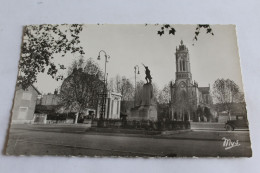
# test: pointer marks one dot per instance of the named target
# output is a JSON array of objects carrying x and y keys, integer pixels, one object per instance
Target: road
[{"x": 76, "y": 141}]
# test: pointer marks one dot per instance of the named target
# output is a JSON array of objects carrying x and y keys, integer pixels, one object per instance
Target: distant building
[
  {"x": 49, "y": 99},
  {"x": 24, "y": 105},
  {"x": 187, "y": 98}
]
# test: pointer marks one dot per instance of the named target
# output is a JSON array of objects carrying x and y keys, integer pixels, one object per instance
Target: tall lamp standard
[
  {"x": 136, "y": 69},
  {"x": 104, "y": 94}
]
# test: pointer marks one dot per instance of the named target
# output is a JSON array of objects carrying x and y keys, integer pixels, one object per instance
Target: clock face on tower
[{"x": 182, "y": 85}]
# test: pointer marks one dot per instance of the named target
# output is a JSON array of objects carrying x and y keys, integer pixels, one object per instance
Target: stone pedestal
[{"x": 148, "y": 108}]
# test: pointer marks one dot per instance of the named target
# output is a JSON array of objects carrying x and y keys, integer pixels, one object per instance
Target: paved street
[{"x": 75, "y": 140}]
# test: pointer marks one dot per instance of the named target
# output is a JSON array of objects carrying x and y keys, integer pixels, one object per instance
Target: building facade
[
  {"x": 49, "y": 99},
  {"x": 112, "y": 106},
  {"x": 24, "y": 105},
  {"x": 188, "y": 100}
]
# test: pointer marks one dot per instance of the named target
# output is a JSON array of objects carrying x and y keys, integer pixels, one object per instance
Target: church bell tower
[{"x": 183, "y": 72}]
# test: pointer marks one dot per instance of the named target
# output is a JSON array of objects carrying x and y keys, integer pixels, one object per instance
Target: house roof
[
  {"x": 204, "y": 90},
  {"x": 36, "y": 89},
  {"x": 20, "y": 87}
]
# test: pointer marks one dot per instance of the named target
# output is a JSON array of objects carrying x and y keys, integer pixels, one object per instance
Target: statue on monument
[
  {"x": 147, "y": 110},
  {"x": 148, "y": 77}
]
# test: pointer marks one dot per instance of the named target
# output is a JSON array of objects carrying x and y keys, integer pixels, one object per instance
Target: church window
[
  {"x": 183, "y": 65},
  {"x": 180, "y": 65}
]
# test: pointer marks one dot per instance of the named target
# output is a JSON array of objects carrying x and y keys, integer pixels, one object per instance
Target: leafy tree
[
  {"x": 40, "y": 44},
  {"x": 122, "y": 85},
  {"x": 75, "y": 65},
  {"x": 164, "y": 95},
  {"x": 138, "y": 92},
  {"x": 127, "y": 89},
  {"x": 225, "y": 92},
  {"x": 92, "y": 68},
  {"x": 167, "y": 28},
  {"x": 240, "y": 99},
  {"x": 156, "y": 91},
  {"x": 81, "y": 89}
]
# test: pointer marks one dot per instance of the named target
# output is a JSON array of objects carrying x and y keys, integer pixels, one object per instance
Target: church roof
[{"x": 204, "y": 90}]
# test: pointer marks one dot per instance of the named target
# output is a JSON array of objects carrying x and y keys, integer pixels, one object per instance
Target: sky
[{"x": 211, "y": 57}]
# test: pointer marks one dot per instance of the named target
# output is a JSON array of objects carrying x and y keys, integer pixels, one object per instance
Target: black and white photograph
[{"x": 129, "y": 90}]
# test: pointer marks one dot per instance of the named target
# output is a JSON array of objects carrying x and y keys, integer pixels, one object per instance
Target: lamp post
[
  {"x": 104, "y": 94},
  {"x": 136, "y": 69}
]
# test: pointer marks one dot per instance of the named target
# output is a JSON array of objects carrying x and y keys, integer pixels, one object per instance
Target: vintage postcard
[{"x": 146, "y": 90}]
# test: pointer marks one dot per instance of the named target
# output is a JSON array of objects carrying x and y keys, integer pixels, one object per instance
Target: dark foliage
[
  {"x": 80, "y": 90},
  {"x": 199, "y": 27},
  {"x": 167, "y": 28},
  {"x": 40, "y": 44},
  {"x": 144, "y": 124},
  {"x": 57, "y": 116}
]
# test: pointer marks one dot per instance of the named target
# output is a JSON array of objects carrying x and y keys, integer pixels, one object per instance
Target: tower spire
[{"x": 181, "y": 42}]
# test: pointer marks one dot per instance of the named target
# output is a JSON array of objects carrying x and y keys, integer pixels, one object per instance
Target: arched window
[
  {"x": 183, "y": 65},
  {"x": 180, "y": 65}
]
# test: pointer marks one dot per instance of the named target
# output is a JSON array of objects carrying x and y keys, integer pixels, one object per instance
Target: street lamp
[
  {"x": 106, "y": 60},
  {"x": 136, "y": 69},
  {"x": 104, "y": 94}
]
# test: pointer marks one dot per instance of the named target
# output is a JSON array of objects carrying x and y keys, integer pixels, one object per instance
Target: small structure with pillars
[{"x": 112, "y": 106}]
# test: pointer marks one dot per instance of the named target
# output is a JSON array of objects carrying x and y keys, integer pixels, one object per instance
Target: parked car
[{"x": 240, "y": 123}]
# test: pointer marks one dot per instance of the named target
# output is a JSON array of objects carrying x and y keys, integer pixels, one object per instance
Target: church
[{"x": 189, "y": 102}]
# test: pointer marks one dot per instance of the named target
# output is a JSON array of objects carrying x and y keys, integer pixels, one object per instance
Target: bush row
[{"x": 143, "y": 124}]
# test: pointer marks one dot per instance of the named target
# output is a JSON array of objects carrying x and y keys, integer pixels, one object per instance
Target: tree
[
  {"x": 167, "y": 28},
  {"x": 93, "y": 68},
  {"x": 81, "y": 89},
  {"x": 164, "y": 95},
  {"x": 76, "y": 64},
  {"x": 156, "y": 91},
  {"x": 123, "y": 86},
  {"x": 40, "y": 44},
  {"x": 127, "y": 89},
  {"x": 225, "y": 92},
  {"x": 240, "y": 99},
  {"x": 138, "y": 92}
]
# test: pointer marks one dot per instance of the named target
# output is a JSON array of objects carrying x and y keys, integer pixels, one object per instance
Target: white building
[
  {"x": 113, "y": 104},
  {"x": 24, "y": 105}
]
